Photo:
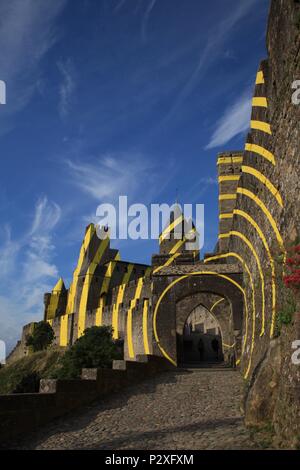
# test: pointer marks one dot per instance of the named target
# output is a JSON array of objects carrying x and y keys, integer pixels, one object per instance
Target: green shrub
[
  {"x": 285, "y": 315},
  {"x": 95, "y": 348},
  {"x": 41, "y": 338}
]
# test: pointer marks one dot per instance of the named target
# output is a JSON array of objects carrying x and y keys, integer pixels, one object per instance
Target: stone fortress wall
[{"x": 264, "y": 222}]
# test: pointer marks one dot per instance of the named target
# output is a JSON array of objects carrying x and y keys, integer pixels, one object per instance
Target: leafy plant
[
  {"x": 41, "y": 338},
  {"x": 285, "y": 315},
  {"x": 95, "y": 348}
]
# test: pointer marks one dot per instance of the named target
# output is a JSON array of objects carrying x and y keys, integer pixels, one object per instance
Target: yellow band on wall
[
  {"x": 260, "y": 80},
  {"x": 260, "y": 102},
  {"x": 265, "y": 181},
  {"x": 261, "y": 126},
  {"x": 261, "y": 151},
  {"x": 264, "y": 241},
  {"x": 63, "y": 337}
]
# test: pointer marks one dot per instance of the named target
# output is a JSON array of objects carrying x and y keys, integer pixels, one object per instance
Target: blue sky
[{"x": 105, "y": 98}]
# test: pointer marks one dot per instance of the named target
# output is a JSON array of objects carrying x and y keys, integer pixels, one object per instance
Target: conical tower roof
[{"x": 59, "y": 286}]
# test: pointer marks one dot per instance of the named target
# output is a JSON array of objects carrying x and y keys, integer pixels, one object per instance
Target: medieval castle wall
[{"x": 266, "y": 219}]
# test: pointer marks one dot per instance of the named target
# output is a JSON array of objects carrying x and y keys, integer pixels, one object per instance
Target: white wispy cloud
[
  {"x": 235, "y": 121},
  {"x": 214, "y": 46},
  {"x": 112, "y": 175},
  {"x": 67, "y": 86},
  {"x": 27, "y": 271},
  {"x": 27, "y": 32}
]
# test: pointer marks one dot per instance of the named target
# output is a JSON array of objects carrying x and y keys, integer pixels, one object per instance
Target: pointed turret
[{"x": 59, "y": 286}]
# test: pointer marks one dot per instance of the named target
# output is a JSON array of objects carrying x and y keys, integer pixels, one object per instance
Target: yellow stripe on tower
[
  {"x": 99, "y": 313},
  {"x": 120, "y": 296},
  {"x": 222, "y": 179},
  {"x": 52, "y": 307},
  {"x": 261, "y": 126},
  {"x": 63, "y": 337},
  {"x": 133, "y": 303},
  {"x": 246, "y": 267},
  {"x": 249, "y": 194},
  {"x": 260, "y": 151},
  {"x": 73, "y": 287},
  {"x": 227, "y": 197},
  {"x": 240, "y": 235},
  {"x": 170, "y": 227},
  {"x": 264, "y": 241},
  {"x": 226, "y": 160},
  {"x": 86, "y": 285},
  {"x": 260, "y": 80},
  {"x": 177, "y": 246},
  {"x": 228, "y": 215},
  {"x": 218, "y": 301},
  {"x": 167, "y": 263},
  {"x": 145, "y": 326},
  {"x": 260, "y": 101},
  {"x": 104, "y": 289},
  {"x": 265, "y": 181}
]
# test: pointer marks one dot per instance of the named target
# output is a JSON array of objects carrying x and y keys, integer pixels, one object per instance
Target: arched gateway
[{"x": 177, "y": 290}]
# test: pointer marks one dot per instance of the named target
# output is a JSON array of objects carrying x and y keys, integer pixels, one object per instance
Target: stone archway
[
  {"x": 200, "y": 340},
  {"x": 169, "y": 288},
  {"x": 219, "y": 308}
]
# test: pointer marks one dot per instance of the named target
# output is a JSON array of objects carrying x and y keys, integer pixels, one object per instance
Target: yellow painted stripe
[
  {"x": 167, "y": 263},
  {"x": 224, "y": 178},
  {"x": 145, "y": 326},
  {"x": 261, "y": 151},
  {"x": 99, "y": 313},
  {"x": 227, "y": 346},
  {"x": 260, "y": 80},
  {"x": 167, "y": 230},
  {"x": 261, "y": 126},
  {"x": 265, "y": 181},
  {"x": 226, "y": 216},
  {"x": 73, "y": 287},
  {"x": 223, "y": 235},
  {"x": 86, "y": 285},
  {"x": 50, "y": 321},
  {"x": 63, "y": 337},
  {"x": 240, "y": 235},
  {"x": 104, "y": 289},
  {"x": 246, "y": 267},
  {"x": 196, "y": 273},
  {"x": 120, "y": 296},
  {"x": 228, "y": 160},
  {"x": 218, "y": 301},
  {"x": 264, "y": 241},
  {"x": 227, "y": 197},
  {"x": 177, "y": 246},
  {"x": 53, "y": 304},
  {"x": 133, "y": 303},
  {"x": 246, "y": 192},
  {"x": 260, "y": 101}
]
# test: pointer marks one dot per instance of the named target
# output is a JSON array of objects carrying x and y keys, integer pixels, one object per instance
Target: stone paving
[{"x": 180, "y": 409}]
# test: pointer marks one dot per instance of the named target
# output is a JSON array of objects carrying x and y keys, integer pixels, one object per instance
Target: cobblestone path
[{"x": 181, "y": 409}]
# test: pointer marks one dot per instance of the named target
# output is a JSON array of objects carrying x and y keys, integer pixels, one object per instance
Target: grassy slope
[{"x": 43, "y": 363}]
